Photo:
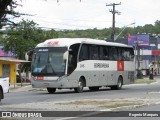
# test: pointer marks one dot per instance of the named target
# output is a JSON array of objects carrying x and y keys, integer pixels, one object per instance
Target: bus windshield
[{"x": 49, "y": 61}]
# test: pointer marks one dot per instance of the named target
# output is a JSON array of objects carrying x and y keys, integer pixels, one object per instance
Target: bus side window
[
  {"x": 113, "y": 55},
  {"x": 120, "y": 54},
  {"x": 131, "y": 54},
  {"x": 125, "y": 55},
  {"x": 84, "y": 53},
  {"x": 93, "y": 50},
  {"x": 103, "y": 53}
]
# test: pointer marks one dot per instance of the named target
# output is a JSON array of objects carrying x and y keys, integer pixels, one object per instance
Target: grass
[
  {"x": 144, "y": 81},
  {"x": 106, "y": 103}
]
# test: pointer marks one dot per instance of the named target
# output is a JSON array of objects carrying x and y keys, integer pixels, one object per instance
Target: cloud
[{"x": 73, "y": 14}]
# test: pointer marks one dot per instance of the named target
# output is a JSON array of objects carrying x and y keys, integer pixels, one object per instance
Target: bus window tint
[
  {"x": 84, "y": 53},
  {"x": 120, "y": 54},
  {"x": 93, "y": 50},
  {"x": 128, "y": 54},
  {"x": 103, "y": 53},
  {"x": 131, "y": 54},
  {"x": 113, "y": 55}
]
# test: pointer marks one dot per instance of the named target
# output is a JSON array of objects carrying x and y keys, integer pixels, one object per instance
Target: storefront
[{"x": 8, "y": 68}]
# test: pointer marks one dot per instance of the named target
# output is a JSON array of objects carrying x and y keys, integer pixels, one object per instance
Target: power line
[{"x": 113, "y": 11}]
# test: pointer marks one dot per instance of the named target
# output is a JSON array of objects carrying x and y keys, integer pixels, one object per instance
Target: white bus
[{"x": 66, "y": 63}]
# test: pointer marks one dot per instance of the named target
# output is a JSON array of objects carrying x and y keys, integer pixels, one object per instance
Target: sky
[{"x": 89, "y": 14}]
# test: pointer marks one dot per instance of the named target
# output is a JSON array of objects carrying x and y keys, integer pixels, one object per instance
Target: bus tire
[
  {"x": 93, "y": 88},
  {"x": 81, "y": 85},
  {"x": 119, "y": 84},
  {"x": 51, "y": 90}
]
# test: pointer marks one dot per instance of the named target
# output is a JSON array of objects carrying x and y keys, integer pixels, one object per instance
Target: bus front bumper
[{"x": 55, "y": 83}]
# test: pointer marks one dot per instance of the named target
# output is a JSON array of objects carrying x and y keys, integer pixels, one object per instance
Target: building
[
  {"x": 149, "y": 54},
  {"x": 8, "y": 65}
]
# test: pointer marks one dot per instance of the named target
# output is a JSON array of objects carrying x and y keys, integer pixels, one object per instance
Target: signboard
[{"x": 140, "y": 40}]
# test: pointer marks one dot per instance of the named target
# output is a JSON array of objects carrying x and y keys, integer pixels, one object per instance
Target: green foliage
[
  {"x": 89, "y": 33},
  {"x": 25, "y": 36},
  {"x": 106, "y": 33}
]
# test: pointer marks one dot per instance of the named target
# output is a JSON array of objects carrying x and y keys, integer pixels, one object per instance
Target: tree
[
  {"x": 24, "y": 37},
  {"x": 157, "y": 27},
  {"x": 7, "y": 8}
]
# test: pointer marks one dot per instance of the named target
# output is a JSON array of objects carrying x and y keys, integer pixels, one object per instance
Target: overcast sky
[{"x": 73, "y": 14}]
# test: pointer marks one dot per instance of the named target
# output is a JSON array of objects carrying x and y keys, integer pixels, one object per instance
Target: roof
[
  {"x": 10, "y": 59},
  {"x": 70, "y": 41}
]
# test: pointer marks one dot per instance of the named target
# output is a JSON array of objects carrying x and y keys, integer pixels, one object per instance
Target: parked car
[{"x": 4, "y": 87}]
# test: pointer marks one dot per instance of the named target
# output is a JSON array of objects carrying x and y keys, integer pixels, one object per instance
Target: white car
[{"x": 4, "y": 87}]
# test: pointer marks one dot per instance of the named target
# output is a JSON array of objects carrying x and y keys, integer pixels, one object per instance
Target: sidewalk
[{"x": 18, "y": 88}]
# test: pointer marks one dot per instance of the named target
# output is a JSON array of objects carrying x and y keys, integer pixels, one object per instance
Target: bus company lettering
[
  {"x": 101, "y": 65},
  {"x": 43, "y": 50},
  {"x": 53, "y": 43}
]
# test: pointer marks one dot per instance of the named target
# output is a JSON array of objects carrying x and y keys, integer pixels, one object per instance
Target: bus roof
[{"x": 61, "y": 42}]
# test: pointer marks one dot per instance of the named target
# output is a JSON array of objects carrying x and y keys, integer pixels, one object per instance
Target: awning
[{"x": 10, "y": 59}]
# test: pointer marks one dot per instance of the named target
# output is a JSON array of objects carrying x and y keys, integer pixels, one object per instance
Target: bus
[{"x": 75, "y": 63}]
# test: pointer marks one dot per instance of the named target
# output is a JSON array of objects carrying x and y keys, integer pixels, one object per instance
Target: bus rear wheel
[
  {"x": 79, "y": 89},
  {"x": 51, "y": 90},
  {"x": 119, "y": 84}
]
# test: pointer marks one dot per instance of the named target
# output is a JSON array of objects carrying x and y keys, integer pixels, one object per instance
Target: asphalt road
[{"x": 128, "y": 91}]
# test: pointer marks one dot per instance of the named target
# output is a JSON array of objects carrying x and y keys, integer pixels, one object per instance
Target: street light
[{"x": 123, "y": 30}]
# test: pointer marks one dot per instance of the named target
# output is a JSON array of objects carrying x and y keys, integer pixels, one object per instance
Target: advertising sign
[{"x": 140, "y": 40}]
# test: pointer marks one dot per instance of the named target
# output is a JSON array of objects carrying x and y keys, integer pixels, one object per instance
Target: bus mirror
[
  {"x": 28, "y": 55},
  {"x": 65, "y": 55}
]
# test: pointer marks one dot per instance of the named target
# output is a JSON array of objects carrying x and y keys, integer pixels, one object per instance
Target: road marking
[{"x": 66, "y": 118}]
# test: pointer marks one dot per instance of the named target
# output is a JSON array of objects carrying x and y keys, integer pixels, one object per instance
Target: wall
[{"x": 12, "y": 70}]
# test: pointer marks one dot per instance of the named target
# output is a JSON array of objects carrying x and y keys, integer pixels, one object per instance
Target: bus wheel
[
  {"x": 93, "y": 88},
  {"x": 80, "y": 88},
  {"x": 51, "y": 90},
  {"x": 119, "y": 84}
]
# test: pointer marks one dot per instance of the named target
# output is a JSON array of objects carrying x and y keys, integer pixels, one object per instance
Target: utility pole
[{"x": 113, "y": 11}]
